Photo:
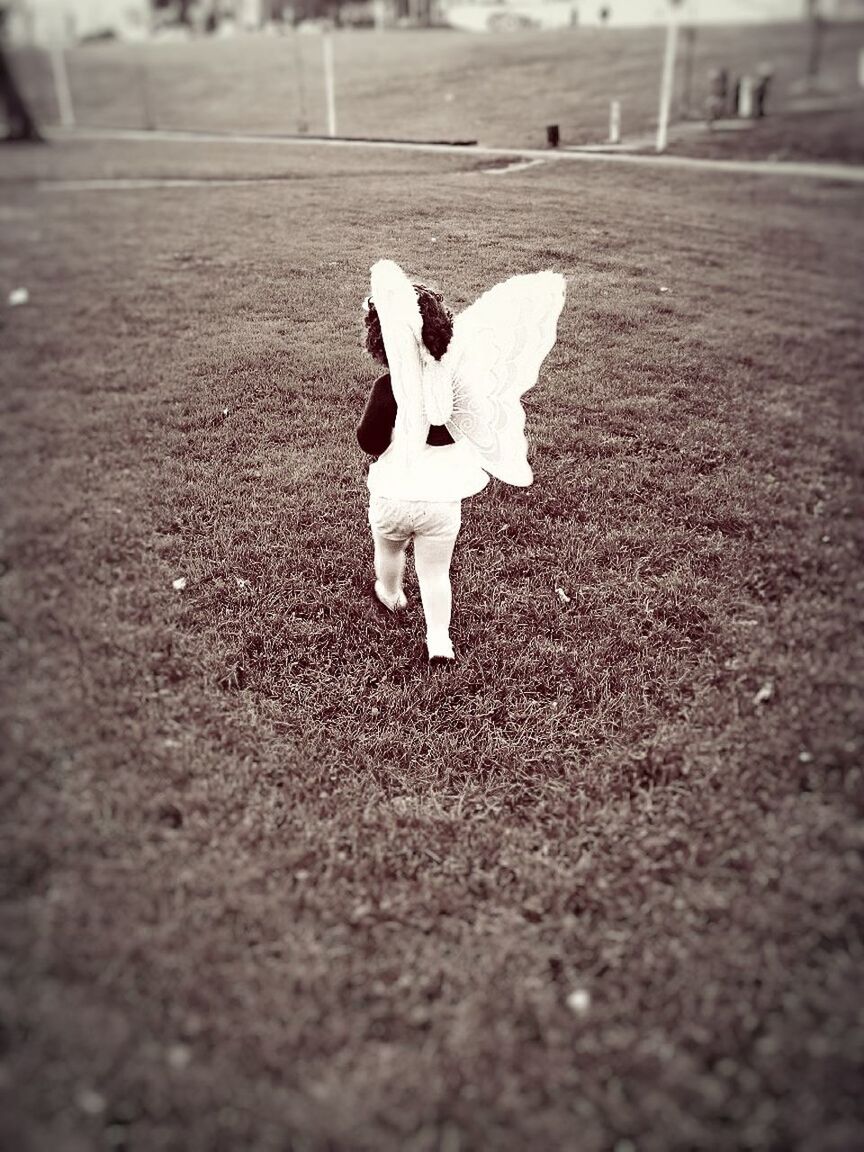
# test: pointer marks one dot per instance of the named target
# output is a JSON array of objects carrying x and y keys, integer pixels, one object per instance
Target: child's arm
[
  {"x": 375, "y": 429},
  {"x": 379, "y": 417}
]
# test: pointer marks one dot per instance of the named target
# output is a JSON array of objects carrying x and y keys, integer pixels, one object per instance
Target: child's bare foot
[{"x": 391, "y": 603}]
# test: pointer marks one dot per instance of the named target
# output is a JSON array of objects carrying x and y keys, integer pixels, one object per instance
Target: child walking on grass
[{"x": 446, "y": 413}]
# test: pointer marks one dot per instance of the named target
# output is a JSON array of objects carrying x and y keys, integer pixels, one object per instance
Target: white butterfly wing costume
[
  {"x": 402, "y": 329},
  {"x": 493, "y": 359}
]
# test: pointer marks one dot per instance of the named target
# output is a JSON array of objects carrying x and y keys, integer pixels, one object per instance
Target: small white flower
[
  {"x": 579, "y": 1001},
  {"x": 179, "y": 1056},
  {"x": 179, "y": 584},
  {"x": 90, "y": 1102}
]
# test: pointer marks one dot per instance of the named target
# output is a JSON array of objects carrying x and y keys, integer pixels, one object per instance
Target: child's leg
[
  {"x": 432, "y": 556},
  {"x": 389, "y": 570},
  {"x": 391, "y": 531}
]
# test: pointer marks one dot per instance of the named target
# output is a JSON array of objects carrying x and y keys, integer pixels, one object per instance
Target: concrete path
[{"x": 846, "y": 173}]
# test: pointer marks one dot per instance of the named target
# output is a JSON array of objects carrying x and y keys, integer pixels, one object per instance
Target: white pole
[
  {"x": 61, "y": 86},
  {"x": 615, "y": 122},
  {"x": 329, "y": 85},
  {"x": 667, "y": 81},
  {"x": 302, "y": 120}
]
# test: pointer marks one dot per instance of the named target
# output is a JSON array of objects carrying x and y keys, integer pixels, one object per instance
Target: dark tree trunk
[
  {"x": 817, "y": 30},
  {"x": 21, "y": 124}
]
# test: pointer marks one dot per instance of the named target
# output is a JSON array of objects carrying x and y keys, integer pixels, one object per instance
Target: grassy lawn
[
  {"x": 499, "y": 89},
  {"x": 829, "y": 134},
  {"x": 272, "y": 883}
]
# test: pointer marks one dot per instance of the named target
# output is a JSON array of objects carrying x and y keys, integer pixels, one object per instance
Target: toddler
[
  {"x": 446, "y": 413},
  {"x": 418, "y": 496}
]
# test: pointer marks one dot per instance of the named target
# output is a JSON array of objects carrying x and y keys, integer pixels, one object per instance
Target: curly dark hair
[{"x": 437, "y": 325}]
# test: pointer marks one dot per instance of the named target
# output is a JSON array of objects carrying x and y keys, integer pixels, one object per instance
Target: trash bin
[
  {"x": 718, "y": 93},
  {"x": 553, "y": 135},
  {"x": 764, "y": 77},
  {"x": 744, "y": 108}
]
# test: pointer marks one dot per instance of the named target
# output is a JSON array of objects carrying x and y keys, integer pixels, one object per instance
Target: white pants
[{"x": 433, "y": 526}]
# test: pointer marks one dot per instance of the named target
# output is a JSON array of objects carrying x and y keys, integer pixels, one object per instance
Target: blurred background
[{"x": 495, "y": 71}]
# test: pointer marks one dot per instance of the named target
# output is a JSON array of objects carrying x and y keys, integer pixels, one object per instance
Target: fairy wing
[
  {"x": 494, "y": 357},
  {"x": 401, "y": 328}
]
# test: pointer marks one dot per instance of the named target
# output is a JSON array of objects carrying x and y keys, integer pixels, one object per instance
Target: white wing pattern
[
  {"x": 498, "y": 345},
  {"x": 401, "y": 328}
]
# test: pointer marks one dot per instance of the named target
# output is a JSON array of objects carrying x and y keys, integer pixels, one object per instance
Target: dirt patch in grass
[{"x": 269, "y": 880}]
